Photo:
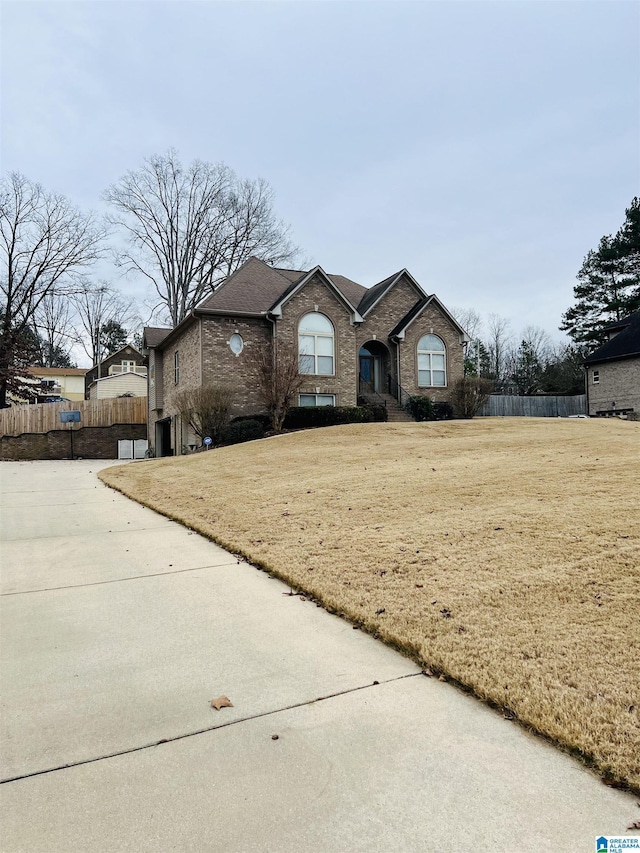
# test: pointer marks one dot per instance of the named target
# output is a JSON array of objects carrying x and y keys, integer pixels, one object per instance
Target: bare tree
[
  {"x": 276, "y": 368},
  {"x": 475, "y": 351},
  {"x": 529, "y": 359},
  {"x": 45, "y": 241},
  {"x": 206, "y": 409},
  {"x": 189, "y": 228},
  {"x": 97, "y": 306},
  {"x": 499, "y": 336},
  {"x": 470, "y": 320},
  {"x": 53, "y": 322}
]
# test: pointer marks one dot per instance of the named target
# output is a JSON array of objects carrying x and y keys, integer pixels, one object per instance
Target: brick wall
[
  {"x": 393, "y": 306},
  {"x": 618, "y": 382},
  {"x": 344, "y": 384},
  {"x": 88, "y": 443},
  {"x": 431, "y": 321},
  {"x": 220, "y": 364}
]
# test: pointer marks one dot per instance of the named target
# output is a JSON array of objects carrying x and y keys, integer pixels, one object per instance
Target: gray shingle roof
[
  {"x": 251, "y": 289},
  {"x": 623, "y": 345},
  {"x": 374, "y": 293},
  {"x": 153, "y": 335},
  {"x": 255, "y": 288}
]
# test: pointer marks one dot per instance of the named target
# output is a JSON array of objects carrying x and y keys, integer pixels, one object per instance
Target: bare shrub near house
[
  {"x": 276, "y": 369},
  {"x": 470, "y": 394},
  {"x": 207, "y": 410}
]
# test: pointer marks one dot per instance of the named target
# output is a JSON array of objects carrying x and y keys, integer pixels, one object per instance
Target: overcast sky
[{"x": 485, "y": 146}]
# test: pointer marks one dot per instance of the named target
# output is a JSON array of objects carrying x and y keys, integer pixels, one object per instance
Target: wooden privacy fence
[
  {"x": 539, "y": 406},
  {"x": 44, "y": 417}
]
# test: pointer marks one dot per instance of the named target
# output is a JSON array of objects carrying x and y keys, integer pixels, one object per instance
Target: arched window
[
  {"x": 315, "y": 345},
  {"x": 432, "y": 362}
]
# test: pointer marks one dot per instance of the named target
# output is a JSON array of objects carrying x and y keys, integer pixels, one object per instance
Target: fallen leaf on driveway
[{"x": 221, "y": 702}]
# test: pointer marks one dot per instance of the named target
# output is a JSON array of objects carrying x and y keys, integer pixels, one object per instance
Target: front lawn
[{"x": 503, "y": 553}]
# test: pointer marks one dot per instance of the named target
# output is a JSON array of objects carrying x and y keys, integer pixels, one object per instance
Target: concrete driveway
[{"x": 119, "y": 627}]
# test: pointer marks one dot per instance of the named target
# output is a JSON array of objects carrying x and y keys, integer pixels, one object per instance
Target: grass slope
[{"x": 504, "y": 553}]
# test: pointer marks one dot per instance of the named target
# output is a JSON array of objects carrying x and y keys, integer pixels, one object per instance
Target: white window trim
[
  {"x": 596, "y": 377},
  {"x": 316, "y": 404},
  {"x": 176, "y": 367},
  {"x": 315, "y": 355},
  {"x": 431, "y": 353}
]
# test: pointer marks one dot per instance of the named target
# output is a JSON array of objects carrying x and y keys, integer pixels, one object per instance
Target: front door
[{"x": 366, "y": 368}]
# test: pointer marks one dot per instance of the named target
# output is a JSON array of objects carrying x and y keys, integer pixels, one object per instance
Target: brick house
[
  {"x": 125, "y": 360},
  {"x": 613, "y": 370},
  {"x": 390, "y": 340}
]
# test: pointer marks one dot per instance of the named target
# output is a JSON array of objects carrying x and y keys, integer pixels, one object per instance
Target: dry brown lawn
[{"x": 503, "y": 553}]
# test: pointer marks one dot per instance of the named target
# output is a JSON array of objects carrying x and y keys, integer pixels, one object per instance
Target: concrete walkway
[{"x": 119, "y": 627}]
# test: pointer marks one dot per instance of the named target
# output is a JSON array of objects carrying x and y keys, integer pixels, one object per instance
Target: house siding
[
  {"x": 188, "y": 346},
  {"x": 126, "y": 353},
  {"x": 116, "y": 386},
  {"x": 619, "y": 383}
]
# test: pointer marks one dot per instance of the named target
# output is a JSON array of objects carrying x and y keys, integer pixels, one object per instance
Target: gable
[
  {"x": 407, "y": 288},
  {"x": 315, "y": 278}
]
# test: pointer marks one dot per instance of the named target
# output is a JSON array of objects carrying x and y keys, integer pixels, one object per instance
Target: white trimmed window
[
  {"x": 176, "y": 367},
  {"x": 317, "y": 399},
  {"x": 316, "y": 345},
  {"x": 128, "y": 366},
  {"x": 432, "y": 362},
  {"x": 596, "y": 377}
]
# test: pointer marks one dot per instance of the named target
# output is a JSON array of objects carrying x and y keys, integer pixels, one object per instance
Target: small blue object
[
  {"x": 70, "y": 417},
  {"x": 207, "y": 440}
]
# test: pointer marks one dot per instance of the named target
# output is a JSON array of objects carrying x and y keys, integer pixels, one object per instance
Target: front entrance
[{"x": 374, "y": 361}]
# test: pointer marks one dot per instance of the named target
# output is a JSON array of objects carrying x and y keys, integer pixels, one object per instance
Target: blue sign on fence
[{"x": 70, "y": 417}]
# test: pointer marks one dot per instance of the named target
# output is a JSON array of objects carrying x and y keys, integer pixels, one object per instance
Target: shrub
[
  {"x": 378, "y": 411},
  {"x": 442, "y": 411},
  {"x": 243, "y": 430},
  {"x": 206, "y": 409},
  {"x": 470, "y": 394},
  {"x": 265, "y": 420},
  {"x": 421, "y": 408},
  {"x": 305, "y": 417}
]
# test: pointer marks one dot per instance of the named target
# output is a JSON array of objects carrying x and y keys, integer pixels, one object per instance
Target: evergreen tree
[
  {"x": 608, "y": 283},
  {"x": 527, "y": 371},
  {"x": 113, "y": 336}
]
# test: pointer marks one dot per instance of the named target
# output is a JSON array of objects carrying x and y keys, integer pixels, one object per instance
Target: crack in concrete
[
  {"x": 73, "y": 535},
  {"x": 163, "y": 741},
  {"x": 118, "y": 580}
]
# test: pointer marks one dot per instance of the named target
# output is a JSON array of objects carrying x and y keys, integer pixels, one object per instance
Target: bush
[
  {"x": 305, "y": 417},
  {"x": 470, "y": 394},
  {"x": 442, "y": 411},
  {"x": 421, "y": 408},
  {"x": 265, "y": 420},
  {"x": 243, "y": 430},
  {"x": 378, "y": 411}
]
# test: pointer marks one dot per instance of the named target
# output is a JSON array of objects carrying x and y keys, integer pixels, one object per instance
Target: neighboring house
[
  {"x": 125, "y": 360},
  {"x": 67, "y": 382},
  {"x": 390, "y": 339},
  {"x": 613, "y": 370},
  {"x": 125, "y": 384}
]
